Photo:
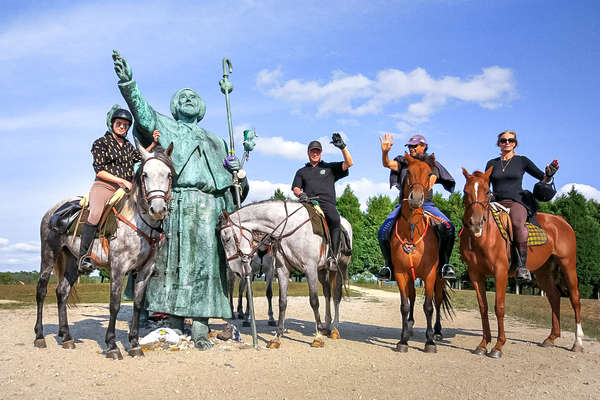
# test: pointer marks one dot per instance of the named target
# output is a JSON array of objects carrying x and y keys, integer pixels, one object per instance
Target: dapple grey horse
[
  {"x": 133, "y": 247},
  {"x": 262, "y": 263},
  {"x": 286, "y": 227}
]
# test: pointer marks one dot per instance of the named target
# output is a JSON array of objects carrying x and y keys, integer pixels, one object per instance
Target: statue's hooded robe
[{"x": 190, "y": 273}]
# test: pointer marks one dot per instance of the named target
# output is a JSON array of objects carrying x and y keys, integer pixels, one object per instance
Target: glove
[
  {"x": 232, "y": 163},
  {"x": 552, "y": 168},
  {"x": 337, "y": 141},
  {"x": 303, "y": 197}
]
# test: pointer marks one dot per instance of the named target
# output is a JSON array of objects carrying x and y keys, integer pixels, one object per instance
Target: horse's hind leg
[
  {"x": 269, "y": 293},
  {"x": 337, "y": 298},
  {"x": 430, "y": 346},
  {"x": 313, "y": 294},
  {"x": 543, "y": 277},
  {"x": 479, "y": 285},
  {"x": 439, "y": 293},
  {"x": 46, "y": 265},
  {"x": 568, "y": 265},
  {"x": 63, "y": 289},
  {"x": 405, "y": 306}
]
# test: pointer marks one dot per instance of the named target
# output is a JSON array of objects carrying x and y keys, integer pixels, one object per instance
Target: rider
[
  {"x": 507, "y": 181},
  {"x": 317, "y": 179},
  {"x": 417, "y": 146},
  {"x": 114, "y": 158}
]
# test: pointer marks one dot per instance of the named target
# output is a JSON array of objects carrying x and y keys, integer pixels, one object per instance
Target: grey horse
[
  {"x": 286, "y": 227},
  {"x": 133, "y": 247},
  {"x": 262, "y": 263}
]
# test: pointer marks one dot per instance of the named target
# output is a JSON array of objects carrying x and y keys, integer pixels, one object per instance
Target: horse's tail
[{"x": 447, "y": 307}]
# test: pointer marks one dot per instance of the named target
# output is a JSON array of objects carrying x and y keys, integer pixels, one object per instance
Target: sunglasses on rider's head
[{"x": 506, "y": 140}]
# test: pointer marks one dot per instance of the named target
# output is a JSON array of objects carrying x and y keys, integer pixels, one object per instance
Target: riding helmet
[{"x": 122, "y": 114}]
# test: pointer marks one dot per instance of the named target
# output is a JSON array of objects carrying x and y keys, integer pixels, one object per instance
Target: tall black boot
[
  {"x": 334, "y": 235},
  {"x": 88, "y": 232},
  {"x": 387, "y": 271},
  {"x": 446, "y": 236},
  {"x": 522, "y": 271}
]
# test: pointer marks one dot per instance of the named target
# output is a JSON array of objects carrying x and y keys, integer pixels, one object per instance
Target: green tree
[
  {"x": 348, "y": 206},
  {"x": 278, "y": 194},
  {"x": 453, "y": 208}
]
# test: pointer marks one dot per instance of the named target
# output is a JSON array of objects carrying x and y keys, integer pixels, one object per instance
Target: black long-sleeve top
[{"x": 507, "y": 177}]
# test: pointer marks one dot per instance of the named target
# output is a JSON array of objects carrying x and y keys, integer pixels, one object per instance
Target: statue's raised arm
[{"x": 145, "y": 116}]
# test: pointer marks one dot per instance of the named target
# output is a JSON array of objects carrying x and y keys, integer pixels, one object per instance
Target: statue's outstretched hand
[{"x": 122, "y": 68}]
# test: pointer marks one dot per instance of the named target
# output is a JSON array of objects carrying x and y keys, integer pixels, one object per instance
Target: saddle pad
[
  {"x": 537, "y": 236},
  {"x": 317, "y": 219},
  {"x": 108, "y": 221}
]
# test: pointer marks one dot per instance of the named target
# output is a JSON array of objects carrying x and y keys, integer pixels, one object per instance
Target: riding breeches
[
  {"x": 333, "y": 222},
  {"x": 383, "y": 233},
  {"x": 518, "y": 217},
  {"x": 100, "y": 193}
]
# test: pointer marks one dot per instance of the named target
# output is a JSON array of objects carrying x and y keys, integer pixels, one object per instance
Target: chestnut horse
[
  {"x": 486, "y": 253},
  {"x": 414, "y": 247}
]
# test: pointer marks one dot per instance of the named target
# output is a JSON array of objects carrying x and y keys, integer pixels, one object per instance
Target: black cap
[{"x": 315, "y": 144}]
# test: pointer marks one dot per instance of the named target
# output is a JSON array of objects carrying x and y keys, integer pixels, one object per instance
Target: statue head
[{"x": 187, "y": 104}]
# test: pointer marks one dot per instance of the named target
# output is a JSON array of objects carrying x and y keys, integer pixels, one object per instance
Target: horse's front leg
[
  {"x": 246, "y": 315},
  {"x": 405, "y": 305},
  {"x": 141, "y": 283},
  {"x": 269, "y": 293},
  {"x": 479, "y": 285},
  {"x": 323, "y": 278},
  {"x": 430, "y": 346},
  {"x": 501, "y": 283},
  {"x": 412, "y": 296},
  {"x": 313, "y": 294},
  {"x": 63, "y": 289},
  {"x": 240, "y": 304},
  {"x": 116, "y": 285},
  {"x": 337, "y": 297},
  {"x": 439, "y": 297},
  {"x": 283, "y": 275}
]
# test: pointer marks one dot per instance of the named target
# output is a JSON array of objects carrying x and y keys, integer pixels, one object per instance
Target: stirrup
[
  {"x": 385, "y": 273},
  {"x": 523, "y": 274},
  {"x": 332, "y": 264},
  {"x": 86, "y": 265},
  {"x": 447, "y": 272}
]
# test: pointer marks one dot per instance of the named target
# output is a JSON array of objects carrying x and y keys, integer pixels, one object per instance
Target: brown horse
[
  {"x": 486, "y": 253},
  {"x": 414, "y": 247}
]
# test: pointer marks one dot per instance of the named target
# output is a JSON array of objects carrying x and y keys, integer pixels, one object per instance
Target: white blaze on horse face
[
  {"x": 156, "y": 180},
  {"x": 476, "y": 189}
]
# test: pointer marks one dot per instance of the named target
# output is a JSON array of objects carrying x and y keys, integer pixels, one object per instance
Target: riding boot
[
  {"x": 85, "y": 264},
  {"x": 386, "y": 273},
  {"x": 522, "y": 271},
  {"x": 446, "y": 235},
  {"x": 334, "y": 234}
]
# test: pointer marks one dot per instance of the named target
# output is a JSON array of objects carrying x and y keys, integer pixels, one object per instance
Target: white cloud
[
  {"x": 365, "y": 188},
  {"x": 3, "y": 241},
  {"x": 358, "y": 95},
  {"x": 278, "y": 146},
  {"x": 263, "y": 190},
  {"x": 589, "y": 192}
]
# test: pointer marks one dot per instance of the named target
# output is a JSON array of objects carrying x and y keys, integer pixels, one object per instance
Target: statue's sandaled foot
[
  {"x": 40, "y": 343},
  {"x": 68, "y": 344},
  {"x": 136, "y": 352},
  {"x": 203, "y": 343},
  {"x": 114, "y": 354}
]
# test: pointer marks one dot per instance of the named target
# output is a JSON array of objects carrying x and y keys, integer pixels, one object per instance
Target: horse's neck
[
  {"x": 268, "y": 216},
  {"x": 134, "y": 213},
  {"x": 411, "y": 220}
]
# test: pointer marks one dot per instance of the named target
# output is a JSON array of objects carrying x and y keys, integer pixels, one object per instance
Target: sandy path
[{"x": 362, "y": 365}]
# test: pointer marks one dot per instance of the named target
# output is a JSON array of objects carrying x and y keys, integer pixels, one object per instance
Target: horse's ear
[
  {"x": 488, "y": 172},
  {"x": 466, "y": 173},
  {"x": 145, "y": 154},
  {"x": 170, "y": 149}
]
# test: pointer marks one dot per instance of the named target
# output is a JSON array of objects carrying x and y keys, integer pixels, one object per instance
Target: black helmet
[
  {"x": 544, "y": 191},
  {"x": 122, "y": 114}
]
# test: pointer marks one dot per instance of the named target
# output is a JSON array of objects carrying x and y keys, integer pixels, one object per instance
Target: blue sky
[{"x": 457, "y": 72}]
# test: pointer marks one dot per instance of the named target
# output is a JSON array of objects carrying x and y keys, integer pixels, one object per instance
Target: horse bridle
[
  {"x": 484, "y": 204},
  {"x": 162, "y": 194}
]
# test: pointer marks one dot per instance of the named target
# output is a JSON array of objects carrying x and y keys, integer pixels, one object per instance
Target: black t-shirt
[
  {"x": 319, "y": 180},
  {"x": 507, "y": 177}
]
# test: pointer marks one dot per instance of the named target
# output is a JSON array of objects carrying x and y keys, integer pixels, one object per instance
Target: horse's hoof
[
  {"x": 430, "y": 348},
  {"x": 69, "y": 344},
  {"x": 273, "y": 345},
  {"x": 577, "y": 348},
  {"x": 437, "y": 337},
  {"x": 246, "y": 323},
  {"x": 494, "y": 353},
  {"x": 335, "y": 334},
  {"x": 272, "y": 323},
  {"x": 40, "y": 343},
  {"x": 317, "y": 343},
  {"x": 402, "y": 348},
  {"x": 136, "y": 352},
  {"x": 325, "y": 332},
  {"x": 480, "y": 351},
  {"x": 547, "y": 343},
  {"x": 114, "y": 354}
]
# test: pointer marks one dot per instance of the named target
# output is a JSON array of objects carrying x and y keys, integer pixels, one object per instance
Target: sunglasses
[
  {"x": 507, "y": 140},
  {"x": 413, "y": 146}
]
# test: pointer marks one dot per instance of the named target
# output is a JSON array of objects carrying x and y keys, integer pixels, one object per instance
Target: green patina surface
[{"x": 191, "y": 269}]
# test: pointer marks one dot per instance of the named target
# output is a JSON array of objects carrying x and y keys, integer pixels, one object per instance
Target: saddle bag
[
  {"x": 64, "y": 216},
  {"x": 544, "y": 191}
]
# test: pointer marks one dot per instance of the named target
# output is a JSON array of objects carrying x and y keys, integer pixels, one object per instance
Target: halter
[
  {"x": 147, "y": 196},
  {"x": 485, "y": 205}
]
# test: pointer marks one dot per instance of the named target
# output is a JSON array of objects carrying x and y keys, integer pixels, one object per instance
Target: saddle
[
  {"x": 537, "y": 235},
  {"x": 320, "y": 228}
]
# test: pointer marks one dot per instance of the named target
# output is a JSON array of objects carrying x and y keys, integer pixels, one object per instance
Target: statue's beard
[{"x": 187, "y": 114}]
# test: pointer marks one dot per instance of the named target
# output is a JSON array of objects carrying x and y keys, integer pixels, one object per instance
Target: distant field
[{"x": 532, "y": 309}]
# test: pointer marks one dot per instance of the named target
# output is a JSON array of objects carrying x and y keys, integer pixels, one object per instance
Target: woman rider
[
  {"x": 114, "y": 158},
  {"x": 507, "y": 182},
  {"x": 417, "y": 146}
]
